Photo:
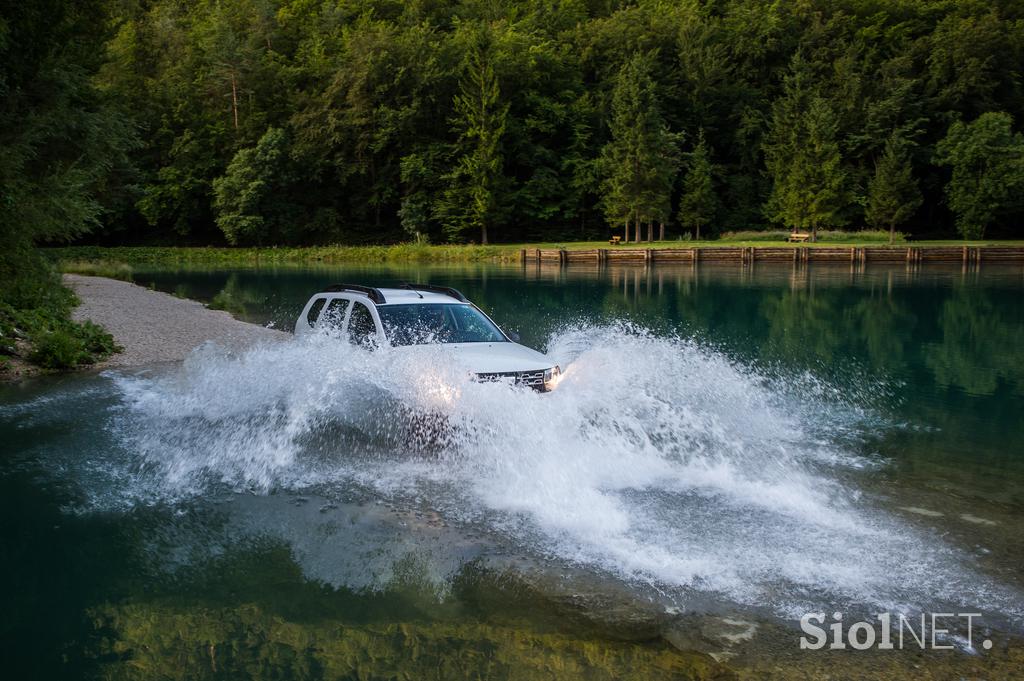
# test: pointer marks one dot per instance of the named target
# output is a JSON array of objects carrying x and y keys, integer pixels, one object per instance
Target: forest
[{"x": 265, "y": 122}]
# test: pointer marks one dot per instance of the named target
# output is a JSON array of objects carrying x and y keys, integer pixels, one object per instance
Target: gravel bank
[{"x": 157, "y": 327}]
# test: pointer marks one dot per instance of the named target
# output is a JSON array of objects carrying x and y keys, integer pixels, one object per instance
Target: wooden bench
[
  {"x": 798, "y": 237},
  {"x": 615, "y": 240}
]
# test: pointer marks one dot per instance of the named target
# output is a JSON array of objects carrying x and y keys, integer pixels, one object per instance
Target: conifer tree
[
  {"x": 638, "y": 164},
  {"x": 480, "y": 118},
  {"x": 804, "y": 159},
  {"x": 699, "y": 201},
  {"x": 893, "y": 194}
]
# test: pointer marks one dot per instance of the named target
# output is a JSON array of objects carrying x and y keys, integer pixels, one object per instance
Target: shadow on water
[{"x": 56, "y": 566}]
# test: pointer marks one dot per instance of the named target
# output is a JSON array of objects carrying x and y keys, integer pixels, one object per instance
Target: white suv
[{"x": 419, "y": 314}]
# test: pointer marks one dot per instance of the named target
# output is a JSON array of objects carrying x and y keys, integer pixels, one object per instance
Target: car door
[
  {"x": 335, "y": 312},
  {"x": 362, "y": 328},
  {"x": 307, "y": 320}
]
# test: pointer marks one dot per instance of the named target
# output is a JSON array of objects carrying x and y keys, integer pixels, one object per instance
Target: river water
[{"x": 729, "y": 449}]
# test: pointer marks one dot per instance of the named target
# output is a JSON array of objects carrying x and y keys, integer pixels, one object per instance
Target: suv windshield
[{"x": 437, "y": 323}]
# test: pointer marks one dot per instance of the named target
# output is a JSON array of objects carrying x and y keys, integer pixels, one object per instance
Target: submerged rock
[{"x": 156, "y": 641}]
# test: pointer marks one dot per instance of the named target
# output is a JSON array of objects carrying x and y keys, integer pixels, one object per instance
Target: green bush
[
  {"x": 68, "y": 345},
  {"x": 35, "y": 319},
  {"x": 97, "y": 341},
  {"x": 58, "y": 350}
]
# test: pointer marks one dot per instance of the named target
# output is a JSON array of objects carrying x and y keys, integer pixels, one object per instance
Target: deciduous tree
[
  {"x": 987, "y": 158},
  {"x": 248, "y": 198}
]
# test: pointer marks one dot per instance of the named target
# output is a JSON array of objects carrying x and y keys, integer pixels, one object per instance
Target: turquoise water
[{"x": 726, "y": 443}]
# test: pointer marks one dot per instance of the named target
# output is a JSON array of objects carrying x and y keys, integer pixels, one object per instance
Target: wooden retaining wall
[{"x": 966, "y": 255}]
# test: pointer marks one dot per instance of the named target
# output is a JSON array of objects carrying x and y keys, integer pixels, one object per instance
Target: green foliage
[
  {"x": 59, "y": 139},
  {"x": 71, "y": 346},
  {"x": 248, "y": 198},
  {"x": 62, "y": 145},
  {"x": 56, "y": 350},
  {"x": 474, "y": 196},
  {"x": 286, "y": 122},
  {"x": 699, "y": 202},
  {"x": 893, "y": 194},
  {"x": 44, "y": 334},
  {"x": 638, "y": 164},
  {"x": 803, "y": 157},
  {"x": 987, "y": 157},
  {"x": 418, "y": 171}
]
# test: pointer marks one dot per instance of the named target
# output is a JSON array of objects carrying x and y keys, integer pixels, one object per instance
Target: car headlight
[{"x": 552, "y": 376}]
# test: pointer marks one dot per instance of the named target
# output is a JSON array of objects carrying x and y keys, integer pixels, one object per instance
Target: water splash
[{"x": 657, "y": 460}]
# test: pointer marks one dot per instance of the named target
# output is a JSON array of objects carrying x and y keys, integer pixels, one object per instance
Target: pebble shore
[{"x": 153, "y": 326}]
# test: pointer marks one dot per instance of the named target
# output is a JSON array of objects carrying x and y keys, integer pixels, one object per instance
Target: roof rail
[
  {"x": 373, "y": 294},
  {"x": 446, "y": 290}
]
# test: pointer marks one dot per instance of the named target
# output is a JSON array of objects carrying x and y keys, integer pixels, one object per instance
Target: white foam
[{"x": 657, "y": 459}]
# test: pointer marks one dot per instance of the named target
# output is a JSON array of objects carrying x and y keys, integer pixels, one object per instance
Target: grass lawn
[
  {"x": 111, "y": 261},
  {"x": 726, "y": 243}
]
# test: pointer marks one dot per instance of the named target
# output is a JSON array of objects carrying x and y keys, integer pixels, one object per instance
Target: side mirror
[{"x": 513, "y": 336}]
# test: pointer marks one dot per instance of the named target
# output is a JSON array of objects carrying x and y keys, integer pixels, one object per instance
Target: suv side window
[
  {"x": 361, "y": 329},
  {"x": 314, "y": 310},
  {"x": 334, "y": 315}
]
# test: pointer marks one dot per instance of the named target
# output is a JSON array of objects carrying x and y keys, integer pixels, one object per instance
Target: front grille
[{"x": 534, "y": 379}]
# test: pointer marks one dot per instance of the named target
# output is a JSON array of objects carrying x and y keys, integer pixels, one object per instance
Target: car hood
[{"x": 482, "y": 358}]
